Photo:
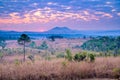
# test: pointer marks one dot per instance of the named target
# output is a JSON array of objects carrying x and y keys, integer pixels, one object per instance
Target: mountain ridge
[
  {"x": 62, "y": 31},
  {"x": 62, "y": 28}
]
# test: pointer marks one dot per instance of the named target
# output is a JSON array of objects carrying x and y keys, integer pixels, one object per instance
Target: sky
[{"x": 42, "y": 15}]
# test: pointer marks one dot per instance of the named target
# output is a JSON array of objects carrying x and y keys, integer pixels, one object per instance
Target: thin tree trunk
[{"x": 24, "y": 52}]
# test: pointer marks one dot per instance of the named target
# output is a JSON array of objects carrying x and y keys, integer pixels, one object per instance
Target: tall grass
[{"x": 56, "y": 70}]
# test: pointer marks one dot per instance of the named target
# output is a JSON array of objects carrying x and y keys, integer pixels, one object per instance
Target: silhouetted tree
[
  {"x": 22, "y": 41},
  {"x": 53, "y": 37}
]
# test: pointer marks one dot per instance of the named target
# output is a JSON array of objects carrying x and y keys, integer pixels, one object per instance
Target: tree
[
  {"x": 32, "y": 44},
  {"x": 2, "y": 43},
  {"x": 43, "y": 46},
  {"x": 22, "y": 41},
  {"x": 53, "y": 37},
  {"x": 103, "y": 44}
]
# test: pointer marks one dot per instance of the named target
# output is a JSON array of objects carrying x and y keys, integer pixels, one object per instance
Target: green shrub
[
  {"x": 92, "y": 57},
  {"x": 32, "y": 44},
  {"x": 64, "y": 63},
  {"x": 83, "y": 56},
  {"x": 43, "y": 46},
  {"x": 17, "y": 62},
  {"x": 68, "y": 55},
  {"x": 79, "y": 57}
]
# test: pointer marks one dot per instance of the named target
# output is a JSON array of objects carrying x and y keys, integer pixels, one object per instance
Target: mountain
[
  {"x": 66, "y": 30},
  {"x": 62, "y": 30}
]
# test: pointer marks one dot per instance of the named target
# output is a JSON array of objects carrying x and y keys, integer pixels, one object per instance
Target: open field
[
  {"x": 60, "y": 69},
  {"x": 56, "y": 47},
  {"x": 12, "y": 66},
  {"x": 58, "y": 44}
]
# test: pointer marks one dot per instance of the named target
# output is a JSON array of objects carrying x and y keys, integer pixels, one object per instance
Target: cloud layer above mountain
[{"x": 82, "y": 12}]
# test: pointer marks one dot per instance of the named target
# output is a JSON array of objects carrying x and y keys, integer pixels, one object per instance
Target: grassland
[
  {"x": 60, "y": 69},
  {"x": 13, "y": 68}
]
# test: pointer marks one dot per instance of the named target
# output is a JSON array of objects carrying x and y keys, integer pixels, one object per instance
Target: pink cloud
[
  {"x": 103, "y": 14},
  {"x": 47, "y": 14}
]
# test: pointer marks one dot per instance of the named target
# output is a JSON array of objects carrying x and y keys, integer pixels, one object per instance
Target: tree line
[{"x": 103, "y": 44}]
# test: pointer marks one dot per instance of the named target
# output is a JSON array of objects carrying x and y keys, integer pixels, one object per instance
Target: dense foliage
[
  {"x": 79, "y": 57},
  {"x": 84, "y": 56},
  {"x": 103, "y": 44}
]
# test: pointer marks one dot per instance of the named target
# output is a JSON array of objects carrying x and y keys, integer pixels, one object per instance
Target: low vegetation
[
  {"x": 61, "y": 70},
  {"x": 45, "y": 61},
  {"x": 68, "y": 55},
  {"x": 84, "y": 56}
]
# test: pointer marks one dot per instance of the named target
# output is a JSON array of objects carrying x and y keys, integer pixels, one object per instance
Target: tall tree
[{"x": 22, "y": 41}]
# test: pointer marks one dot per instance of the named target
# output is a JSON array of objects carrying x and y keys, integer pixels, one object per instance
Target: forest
[{"x": 103, "y": 44}]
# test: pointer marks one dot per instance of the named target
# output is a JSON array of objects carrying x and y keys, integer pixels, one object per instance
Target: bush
[
  {"x": 43, "y": 46},
  {"x": 92, "y": 57},
  {"x": 68, "y": 55},
  {"x": 17, "y": 62},
  {"x": 32, "y": 44},
  {"x": 64, "y": 63},
  {"x": 79, "y": 57},
  {"x": 84, "y": 55}
]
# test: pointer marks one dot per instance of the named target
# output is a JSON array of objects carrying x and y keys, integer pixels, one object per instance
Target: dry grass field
[
  {"x": 58, "y": 44},
  {"x": 12, "y": 67},
  {"x": 60, "y": 69}
]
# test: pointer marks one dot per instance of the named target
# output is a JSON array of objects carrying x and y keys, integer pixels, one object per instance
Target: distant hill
[
  {"x": 66, "y": 30},
  {"x": 62, "y": 31}
]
